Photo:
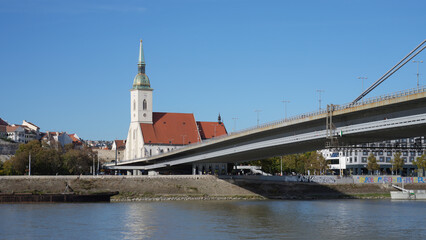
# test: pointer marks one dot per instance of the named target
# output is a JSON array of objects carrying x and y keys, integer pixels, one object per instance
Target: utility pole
[
  {"x": 418, "y": 62},
  {"x": 29, "y": 164},
  {"x": 319, "y": 99},
  {"x": 285, "y": 108},
  {"x": 93, "y": 167},
  {"x": 363, "y": 78},
  {"x": 97, "y": 172},
  {"x": 235, "y": 123},
  {"x": 281, "y": 165},
  {"x": 257, "y": 111}
]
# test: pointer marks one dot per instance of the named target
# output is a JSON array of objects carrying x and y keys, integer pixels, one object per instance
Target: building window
[
  {"x": 350, "y": 160},
  {"x": 411, "y": 159},
  {"x": 413, "y": 153},
  {"x": 380, "y": 153},
  {"x": 405, "y": 159},
  {"x": 389, "y": 153},
  {"x": 364, "y": 159},
  {"x": 388, "y": 159},
  {"x": 405, "y": 153},
  {"x": 144, "y": 104},
  {"x": 355, "y": 159},
  {"x": 365, "y": 152},
  {"x": 381, "y": 159},
  {"x": 134, "y": 105}
]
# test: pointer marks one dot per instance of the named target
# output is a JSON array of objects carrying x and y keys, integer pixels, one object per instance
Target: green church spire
[{"x": 141, "y": 80}]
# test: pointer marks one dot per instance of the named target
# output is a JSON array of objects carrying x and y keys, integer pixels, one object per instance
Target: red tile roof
[
  {"x": 171, "y": 128},
  {"x": 74, "y": 139},
  {"x": 120, "y": 144},
  {"x": 12, "y": 128},
  {"x": 211, "y": 129},
  {"x": 3, "y": 122}
]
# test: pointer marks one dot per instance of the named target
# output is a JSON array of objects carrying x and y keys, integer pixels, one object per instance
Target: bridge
[
  {"x": 391, "y": 116},
  {"x": 387, "y": 117}
]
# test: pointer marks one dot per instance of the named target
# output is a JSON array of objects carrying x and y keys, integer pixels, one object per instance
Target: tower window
[
  {"x": 144, "y": 104},
  {"x": 134, "y": 105}
]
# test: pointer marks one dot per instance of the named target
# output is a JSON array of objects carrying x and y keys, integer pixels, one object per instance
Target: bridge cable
[{"x": 391, "y": 71}]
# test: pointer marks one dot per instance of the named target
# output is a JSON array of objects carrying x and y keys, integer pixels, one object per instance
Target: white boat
[{"x": 405, "y": 194}]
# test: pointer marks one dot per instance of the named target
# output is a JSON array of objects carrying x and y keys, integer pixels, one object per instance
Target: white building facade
[{"x": 354, "y": 160}]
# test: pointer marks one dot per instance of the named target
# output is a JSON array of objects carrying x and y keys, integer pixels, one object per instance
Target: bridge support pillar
[
  {"x": 129, "y": 172},
  {"x": 193, "y": 169}
]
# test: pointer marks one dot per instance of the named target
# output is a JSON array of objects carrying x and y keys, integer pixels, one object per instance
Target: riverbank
[{"x": 193, "y": 187}]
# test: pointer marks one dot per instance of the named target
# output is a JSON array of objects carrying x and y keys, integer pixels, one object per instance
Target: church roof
[
  {"x": 171, "y": 128},
  {"x": 211, "y": 129}
]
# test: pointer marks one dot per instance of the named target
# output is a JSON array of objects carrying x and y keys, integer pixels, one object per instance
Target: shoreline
[{"x": 195, "y": 188}]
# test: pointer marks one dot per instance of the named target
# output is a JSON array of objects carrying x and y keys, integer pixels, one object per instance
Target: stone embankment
[
  {"x": 131, "y": 187},
  {"x": 193, "y": 187}
]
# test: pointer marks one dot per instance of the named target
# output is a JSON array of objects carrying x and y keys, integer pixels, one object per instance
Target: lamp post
[
  {"x": 257, "y": 111},
  {"x": 29, "y": 164},
  {"x": 319, "y": 99},
  {"x": 362, "y": 78},
  {"x": 285, "y": 108},
  {"x": 418, "y": 62}
]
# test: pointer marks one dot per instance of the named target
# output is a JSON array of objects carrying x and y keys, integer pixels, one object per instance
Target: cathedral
[{"x": 152, "y": 133}]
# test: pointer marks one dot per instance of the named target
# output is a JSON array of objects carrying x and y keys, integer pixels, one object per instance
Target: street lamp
[
  {"x": 418, "y": 62},
  {"x": 362, "y": 78},
  {"x": 285, "y": 108},
  {"x": 319, "y": 100},
  {"x": 257, "y": 111}
]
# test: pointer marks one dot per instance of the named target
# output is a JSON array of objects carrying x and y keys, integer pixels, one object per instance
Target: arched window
[
  {"x": 134, "y": 105},
  {"x": 144, "y": 104}
]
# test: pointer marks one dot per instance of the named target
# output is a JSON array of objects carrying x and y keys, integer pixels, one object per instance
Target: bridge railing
[{"x": 337, "y": 107}]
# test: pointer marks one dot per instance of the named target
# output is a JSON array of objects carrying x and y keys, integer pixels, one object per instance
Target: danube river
[{"x": 322, "y": 219}]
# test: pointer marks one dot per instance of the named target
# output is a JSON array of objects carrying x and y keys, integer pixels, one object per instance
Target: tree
[
  {"x": 318, "y": 162},
  {"x": 78, "y": 161},
  {"x": 47, "y": 160},
  {"x": 372, "y": 163},
  {"x": 397, "y": 162},
  {"x": 420, "y": 162}
]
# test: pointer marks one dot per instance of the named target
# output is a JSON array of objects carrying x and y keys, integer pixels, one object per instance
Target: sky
[{"x": 69, "y": 65}]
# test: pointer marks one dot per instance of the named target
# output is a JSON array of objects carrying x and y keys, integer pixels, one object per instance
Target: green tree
[
  {"x": 318, "y": 163},
  {"x": 372, "y": 164},
  {"x": 78, "y": 161},
  {"x": 397, "y": 162},
  {"x": 47, "y": 160},
  {"x": 420, "y": 162}
]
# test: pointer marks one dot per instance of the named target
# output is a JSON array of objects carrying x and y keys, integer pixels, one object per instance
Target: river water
[{"x": 320, "y": 219}]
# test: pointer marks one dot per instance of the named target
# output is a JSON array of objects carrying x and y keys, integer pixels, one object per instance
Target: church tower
[
  {"x": 141, "y": 94},
  {"x": 140, "y": 110}
]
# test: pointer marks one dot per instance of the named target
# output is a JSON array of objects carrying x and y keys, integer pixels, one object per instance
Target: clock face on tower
[{"x": 144, "y": 114}]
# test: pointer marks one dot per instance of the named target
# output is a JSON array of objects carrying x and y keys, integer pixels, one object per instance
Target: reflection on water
[{"x": 349, "y": 219}]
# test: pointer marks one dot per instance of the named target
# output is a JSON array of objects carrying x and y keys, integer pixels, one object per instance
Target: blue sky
[{"x": 69, "y": 65}]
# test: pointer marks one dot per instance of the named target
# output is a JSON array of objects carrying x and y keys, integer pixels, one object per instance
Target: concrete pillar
[
  {"x": 193, "y": 169},
  {"x": 129, "y": 172}
]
